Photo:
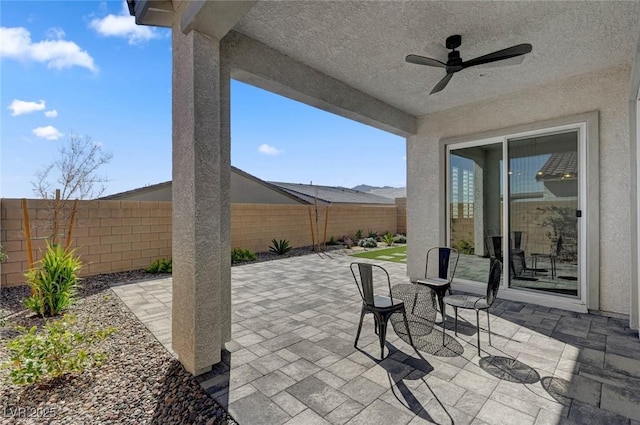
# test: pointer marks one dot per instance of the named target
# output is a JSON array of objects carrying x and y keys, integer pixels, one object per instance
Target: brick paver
[{"x": 292, "y": 358}]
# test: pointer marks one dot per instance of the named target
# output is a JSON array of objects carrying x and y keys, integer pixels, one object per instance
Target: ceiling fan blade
[
  {"x": 422, "y": 60},
  {"x": 516, "y": 60},
  {"x": 442, "y": 83},
  {"x": 510, "y": 52}
]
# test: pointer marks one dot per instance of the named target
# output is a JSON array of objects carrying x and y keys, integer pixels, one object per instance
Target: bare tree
[
  {"x": 72, "y": 176},
  {"x": 74, "y": 172}
]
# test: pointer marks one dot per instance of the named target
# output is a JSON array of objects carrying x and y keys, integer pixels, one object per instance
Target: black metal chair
[
  {"x": 473, "y": 302},
  {"x": 552, "y": 257},
  {"x": 440, "y": 282},
  {"x": 381, "y": 306}
]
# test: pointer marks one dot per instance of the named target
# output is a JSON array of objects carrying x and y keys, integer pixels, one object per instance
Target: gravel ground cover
[{"x": 139, "y": 383}]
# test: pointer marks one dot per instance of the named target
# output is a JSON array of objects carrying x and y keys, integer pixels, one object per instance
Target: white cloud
[
  {"x": 19, "y": 107},
  {"x": 268, "y": 150},
  {"x": 15, "y": 43},
  {"x": 49, "y": 132},
  {"x": 55, "y": 33},
  {"x": 51, "y": 114},
  {"x": 123, "y": 25}
]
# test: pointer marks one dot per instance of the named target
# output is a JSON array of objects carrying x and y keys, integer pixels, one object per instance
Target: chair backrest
[
  {"x": 494, "y": 246},
  {"x": 447, "y": 261},
  {"x": 493, "y": 284},
  {"x": 558, "y": 245},
  {"x": 519, "y": 239},
  {"x": 367, "y": 276}
]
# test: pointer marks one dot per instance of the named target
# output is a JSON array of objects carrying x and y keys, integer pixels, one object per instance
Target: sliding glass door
[
  {"x": 475, "y": 211},
  {"x": 537, "y": 191},
  {"x": 543, "y": 204}
]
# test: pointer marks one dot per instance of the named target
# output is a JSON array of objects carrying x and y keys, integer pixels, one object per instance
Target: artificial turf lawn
[{"x": 375, "y": 255}]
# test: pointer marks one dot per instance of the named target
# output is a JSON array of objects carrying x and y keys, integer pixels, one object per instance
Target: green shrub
[
  {"x": 372, "y": 234},
  {"x": 239, "y": 255},
  {"x": 3, "y": 254},
  {"x": 57, "y": 350},
  {"x": 401, "y": 239},
  {"x": 333, "y": 241},
  {"x": 464, "y": 247},
  {"x": 388, "y": 238},
  {"x": 54, "y": 282},
  {"x": 280, "y": 247},
  {"x": 161, "y": 265},
  {"x": 368, "y": 243},
  {"x": 358, "y": 235}
]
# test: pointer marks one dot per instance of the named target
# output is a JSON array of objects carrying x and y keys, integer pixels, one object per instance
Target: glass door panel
[
  {"x": 543, "y": 201},
  {"x": 475, "y": 208}
]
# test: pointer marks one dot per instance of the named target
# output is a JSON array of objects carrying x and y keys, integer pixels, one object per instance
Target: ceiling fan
[{"x": 455, "y": 63}]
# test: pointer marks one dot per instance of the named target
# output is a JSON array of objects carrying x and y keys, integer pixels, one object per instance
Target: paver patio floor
[{"x": 292, "y": 360}]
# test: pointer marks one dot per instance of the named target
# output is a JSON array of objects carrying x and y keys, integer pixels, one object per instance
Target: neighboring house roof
[
  {"x": 559, "y": 166},
  {"x": 331, "y": 194},
  {"x": 393, "y": 193},
  {"x": 155, "y": 187},
  {"x": 137, "y": 191},
  {"x": 302, "y": 193}
]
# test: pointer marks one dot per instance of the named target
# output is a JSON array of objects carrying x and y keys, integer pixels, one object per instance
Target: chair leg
[
  {"x": 406, "y": 323},
  {"x": 455, "y": 326},
  {"x": 355, "y": 344},
  {"x": 444, "y": 323},
  {"x": 478, "y": 331},
  {"x": 489, "y": 327},
  {"x": 376, "y": 325},
  {"x": 415, "y": 300},
  {"x": 382, "y": 334}
]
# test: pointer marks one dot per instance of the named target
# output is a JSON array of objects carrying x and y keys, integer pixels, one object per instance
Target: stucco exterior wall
[
  {"x": 246, "y": 190},
  {"x": 605, "y": 91}
]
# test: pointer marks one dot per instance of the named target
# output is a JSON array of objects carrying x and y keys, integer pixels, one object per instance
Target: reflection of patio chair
[
  {"x": 476, "y": 303},
  {"x": 552, "y": 257},
  {"x": 440, "y": 282},
  {"x": 381, "y": 306}
]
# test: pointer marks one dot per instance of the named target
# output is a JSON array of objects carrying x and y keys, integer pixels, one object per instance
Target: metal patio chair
[
  {"x": 473, "y": 302},
  {"x": 381, "y": 306},
  {"x": 552, "y": 257},
  {"x": 440, "y": 280}
]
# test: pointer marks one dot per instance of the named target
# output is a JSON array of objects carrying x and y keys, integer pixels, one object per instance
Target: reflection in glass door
[
  {"x": 475, "y": 211},
  {"x": 543, "y": 201},
  {"x": 540, "y": 185}
]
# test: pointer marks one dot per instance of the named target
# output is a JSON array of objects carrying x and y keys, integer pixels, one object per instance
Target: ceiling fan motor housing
[
  {"x": 454, "y": 64},
  {"x": 453, "y": 42}
]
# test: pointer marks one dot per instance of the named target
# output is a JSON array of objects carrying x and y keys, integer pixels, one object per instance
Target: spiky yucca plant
[{"x": 54, "y": 281}]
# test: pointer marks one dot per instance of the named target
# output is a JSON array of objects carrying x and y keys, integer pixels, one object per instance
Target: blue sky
[{"x": 84, "y": 67}]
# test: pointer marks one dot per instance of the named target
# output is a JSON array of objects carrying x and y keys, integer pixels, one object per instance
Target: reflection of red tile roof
[{"x": 559, "y": 166}]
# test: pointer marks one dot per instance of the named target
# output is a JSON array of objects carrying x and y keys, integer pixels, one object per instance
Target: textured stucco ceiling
[{"x": 364, "y": 43}]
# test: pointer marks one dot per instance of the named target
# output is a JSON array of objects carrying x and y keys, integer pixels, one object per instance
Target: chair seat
[
  {"x": 433, "y": 281},
  {"x": 466, "y": 301},
  {"x": 381, "y": 301}
]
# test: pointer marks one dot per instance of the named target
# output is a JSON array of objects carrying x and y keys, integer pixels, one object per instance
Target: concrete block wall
[
  {"x": 401, "y": 207},
  {"x": 110, "y": 236},
  {"x": 114, "y": 236},
  {"x": 253, "y": 226}
]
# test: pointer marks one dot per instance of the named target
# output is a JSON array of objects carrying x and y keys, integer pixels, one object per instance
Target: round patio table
[{"x": 420, "y": 305}]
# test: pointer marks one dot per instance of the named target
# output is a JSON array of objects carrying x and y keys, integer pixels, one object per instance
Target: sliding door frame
[{"x": 589, "y": 232}]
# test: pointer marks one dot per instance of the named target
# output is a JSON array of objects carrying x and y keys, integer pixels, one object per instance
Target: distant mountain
[
  {"x": 386, "y": 191},
  {"x": 367, "y": 188}
]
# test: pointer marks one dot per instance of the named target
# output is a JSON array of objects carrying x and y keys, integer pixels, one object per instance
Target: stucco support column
[{"x": 201, "y": 321}]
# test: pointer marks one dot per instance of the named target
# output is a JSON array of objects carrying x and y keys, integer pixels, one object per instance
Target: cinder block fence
[{"x": 113, "y": 236}]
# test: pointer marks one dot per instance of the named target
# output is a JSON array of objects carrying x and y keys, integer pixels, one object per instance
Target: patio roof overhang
[
  {"x": 349, "y": 58},
  {"x": 362, "y": 45}
]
